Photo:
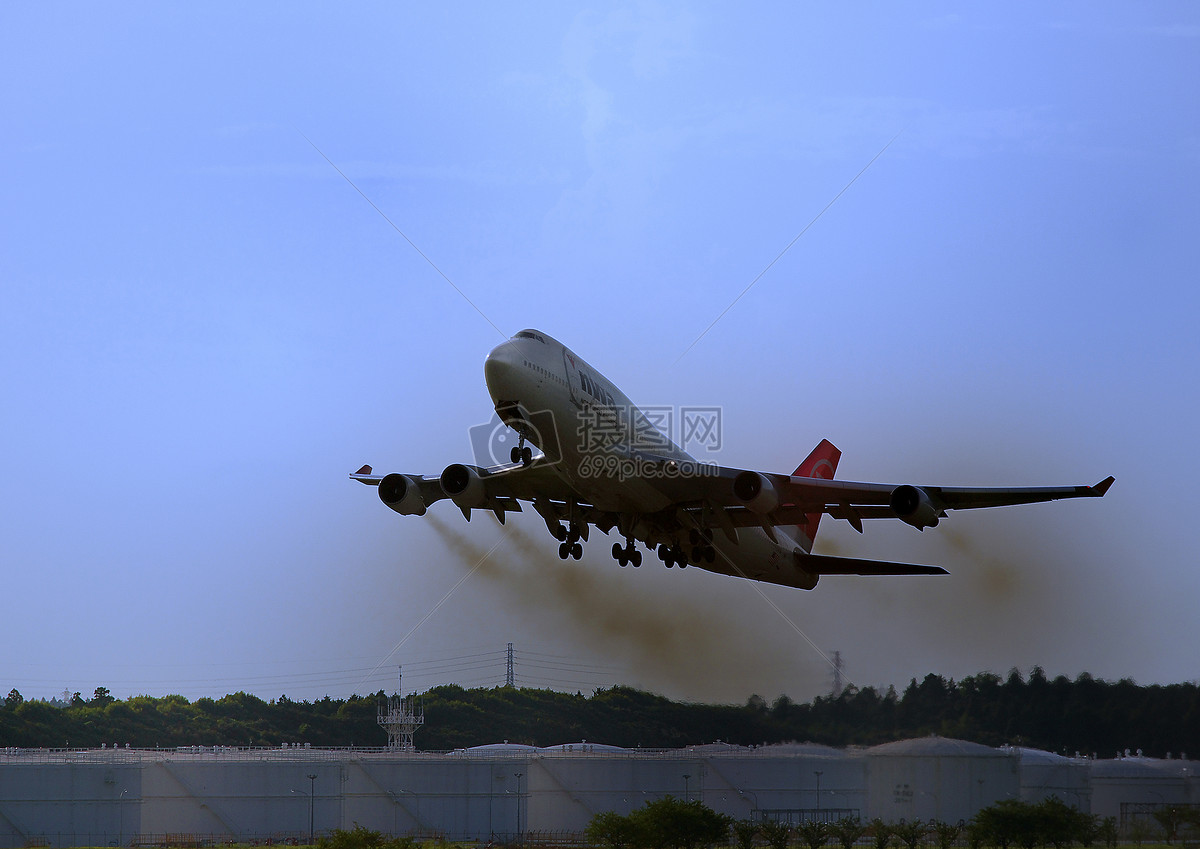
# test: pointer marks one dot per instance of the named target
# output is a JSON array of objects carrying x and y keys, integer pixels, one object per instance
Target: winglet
[
  {"x": 1102, "y": 487},
  {"x": 365, "y": 475}
]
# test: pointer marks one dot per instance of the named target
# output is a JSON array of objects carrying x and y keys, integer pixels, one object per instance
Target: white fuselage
[{"x": 603, "y": 447}]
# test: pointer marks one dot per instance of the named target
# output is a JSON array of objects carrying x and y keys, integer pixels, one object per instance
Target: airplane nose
[{"x": 500, "y": 368}]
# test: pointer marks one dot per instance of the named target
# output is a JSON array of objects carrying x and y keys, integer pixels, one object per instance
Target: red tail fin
[{"x": 821, "y": 463}]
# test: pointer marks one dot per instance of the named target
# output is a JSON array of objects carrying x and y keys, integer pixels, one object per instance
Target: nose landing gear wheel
[
  {"x": 521, "y": 453},
  {"x": 576, "y": 550}
]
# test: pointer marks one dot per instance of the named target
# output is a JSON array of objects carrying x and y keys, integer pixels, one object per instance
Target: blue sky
[{"x": 205, "y": 328}]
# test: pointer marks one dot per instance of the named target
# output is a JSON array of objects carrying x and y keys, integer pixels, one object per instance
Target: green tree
[
  {"x": 976, "y": 835},
  {"x": 813, "y": 833},
  {"x": 946, "y": 833},
  {"x": 663, "y": 823},
  {"x": 1087, "y": 828},
  {"x": 361, "y": 837},
  {"x": 881, "y": 833},
  {"x": 101, "y": 697},
  {"x": 670, "y": 822},
  {"x": 776, "y": 833},
  {"x": 1169, "y": 819},
  {"x": 744, "y": 832},
  {"x": 1056, "y": 822},
  {"x": 847, "y": 831},
  {"x": 613, "y": 830},
  {"x": 911, "y": 834},
  {"x": 1140, "y": 830},
  {"x": 996, "y": 825}
]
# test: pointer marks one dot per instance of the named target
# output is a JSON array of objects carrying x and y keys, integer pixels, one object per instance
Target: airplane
[{"x": 603, "y": 463}]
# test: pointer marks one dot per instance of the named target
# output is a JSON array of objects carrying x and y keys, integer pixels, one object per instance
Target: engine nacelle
[
  {"x": 756, "y": 492},
  {"x": 463, "y": 485},
  {"x": 914, "y": 506},
  {"x": 402, "y": 494}
]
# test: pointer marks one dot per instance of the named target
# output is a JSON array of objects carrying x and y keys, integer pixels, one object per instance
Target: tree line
[
  {"x": 669, "y": 823},
  {"x": 1085, "y": 715}
]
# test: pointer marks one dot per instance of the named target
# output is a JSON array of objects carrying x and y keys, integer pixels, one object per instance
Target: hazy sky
[{"x": 204, "y": 328}]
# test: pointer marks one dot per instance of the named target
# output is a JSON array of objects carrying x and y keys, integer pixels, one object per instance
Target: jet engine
[
  {"x": 402, "y": 494},
  {"x": 756, "y": 492},
  {"x": 463, "y": 485},
  {"x": 914, "y": 506}
]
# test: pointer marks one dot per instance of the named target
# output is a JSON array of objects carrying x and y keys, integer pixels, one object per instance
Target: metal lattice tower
[
  {"x": 508, "y": 676},
  {"x": 838, "y": 683},
  {"x": 401, "y": 718}
]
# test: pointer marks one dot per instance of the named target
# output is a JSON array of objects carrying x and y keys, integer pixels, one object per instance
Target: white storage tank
[
  {"x": 938, "y": 778},
  {"x": 1045, "y": 774},
  {"x": 1127, "y": 787}
]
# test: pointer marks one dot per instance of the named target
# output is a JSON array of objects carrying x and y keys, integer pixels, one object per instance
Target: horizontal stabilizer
[{"x": 820, "y": 564}]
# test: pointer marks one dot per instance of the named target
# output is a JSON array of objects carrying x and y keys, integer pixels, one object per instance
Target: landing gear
[
  {"x": 702, "y": 547},
  {"x": 573, "y": 550},
  {"x": 570, "y": 545},
  {"x": 626, "y": 554},
  {"x": 521, "y": 453},
  {"x": 672, "y": 556}
]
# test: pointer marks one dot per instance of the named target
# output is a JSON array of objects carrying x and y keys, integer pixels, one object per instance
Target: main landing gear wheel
[
  {"x": 672, "y": 556},
  {"x": 570, "y": 549},
  {"x": 626, "y": 554},
  {"x": 702, "y": 547}
]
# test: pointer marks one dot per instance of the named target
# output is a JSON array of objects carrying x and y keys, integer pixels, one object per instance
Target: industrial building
[{"x": 122, "y": 796}]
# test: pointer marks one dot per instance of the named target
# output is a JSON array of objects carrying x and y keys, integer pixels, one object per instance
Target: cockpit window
[{"x": 529, "y": 334}]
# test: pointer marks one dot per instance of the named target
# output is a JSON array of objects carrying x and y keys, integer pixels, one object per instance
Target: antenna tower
[
  {"x": 508, "y": 675},
  {"x": 838, "y": 683},
  {"x": 400, "y": 718}
]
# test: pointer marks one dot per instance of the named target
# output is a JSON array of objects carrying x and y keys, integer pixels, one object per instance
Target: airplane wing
[
  {"x": 748, "y": 498},
  {"x": 500, "y": 489},
  {"x": 710, "y": 498}
]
